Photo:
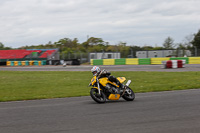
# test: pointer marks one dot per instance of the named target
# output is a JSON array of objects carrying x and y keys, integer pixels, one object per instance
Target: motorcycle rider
[{"x": 96, "y": 71}]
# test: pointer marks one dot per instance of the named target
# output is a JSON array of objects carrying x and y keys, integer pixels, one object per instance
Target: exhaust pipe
[{"x": 128, "y": 83}]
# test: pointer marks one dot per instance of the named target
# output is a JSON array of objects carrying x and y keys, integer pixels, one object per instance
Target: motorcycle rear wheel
[
  {"x": 129, "y": 95},
  {"x": 99, "y": 98}
]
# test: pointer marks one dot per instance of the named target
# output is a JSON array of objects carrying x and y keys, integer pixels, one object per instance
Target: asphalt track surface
[
  {"x": 188, "y": 67},
  {"x": 155, "y": 112}
]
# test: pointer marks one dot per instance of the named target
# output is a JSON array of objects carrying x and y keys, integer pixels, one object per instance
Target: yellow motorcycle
[{"x": 103, "y": 89}]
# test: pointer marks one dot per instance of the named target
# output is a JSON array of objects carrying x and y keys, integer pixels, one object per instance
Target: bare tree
[{"x": 169, "y": 43}]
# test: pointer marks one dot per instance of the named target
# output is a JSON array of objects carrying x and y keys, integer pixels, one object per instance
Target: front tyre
[
  {"x": 99, "y": 98},
  {"x": 129, "y": 95}
]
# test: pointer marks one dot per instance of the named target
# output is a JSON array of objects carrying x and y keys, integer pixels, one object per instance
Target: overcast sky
[{"x": 136, "y": 22}]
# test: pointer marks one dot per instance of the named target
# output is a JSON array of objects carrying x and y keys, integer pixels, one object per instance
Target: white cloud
[{"x": 135, "y": 22}]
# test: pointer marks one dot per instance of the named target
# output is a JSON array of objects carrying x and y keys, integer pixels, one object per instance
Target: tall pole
[{"x": 195, "y": 50}]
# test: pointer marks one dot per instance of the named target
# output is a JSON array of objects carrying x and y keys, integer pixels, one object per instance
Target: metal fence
[
  {"x": 161, "y": 53},
  {"x": 85, "y": 57}
]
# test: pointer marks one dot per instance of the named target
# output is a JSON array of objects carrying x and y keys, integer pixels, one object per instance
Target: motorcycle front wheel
[
  {"x": 99, "y": 98},
  {"x": 129, "y": 95}
]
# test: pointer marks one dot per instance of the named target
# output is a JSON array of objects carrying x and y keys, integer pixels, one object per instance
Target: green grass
[{"x": 26, "y": 85}]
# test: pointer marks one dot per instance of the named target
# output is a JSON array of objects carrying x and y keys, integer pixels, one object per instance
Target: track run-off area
[{"x": 154, "y": 112}]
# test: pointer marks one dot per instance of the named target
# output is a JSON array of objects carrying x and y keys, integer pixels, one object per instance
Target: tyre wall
[{"x": 26, "y": 63}]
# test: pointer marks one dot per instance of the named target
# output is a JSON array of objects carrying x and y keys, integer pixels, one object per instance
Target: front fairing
[{"x": 93, "y": 80}]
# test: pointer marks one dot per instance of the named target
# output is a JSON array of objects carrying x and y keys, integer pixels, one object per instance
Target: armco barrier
[
  {"x": 91, "y": 62},
  {"x": 120, "y": 61},
  {"x": 98, "y": 62},
  {"x": 132, "y": 61},
  {"x": 108, "y": 61},
  {"x": 144, "y": 61},
  {"x": 194, "y": 60},
  {"x": 158, "y": 60}
]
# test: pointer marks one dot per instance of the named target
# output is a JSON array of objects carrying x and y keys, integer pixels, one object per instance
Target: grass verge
[{"x": 26, "y": 85}]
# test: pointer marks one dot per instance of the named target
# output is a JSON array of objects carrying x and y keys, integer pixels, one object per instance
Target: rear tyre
[
  {"x": 129, "y": 95},
  {"x": 99, "y": 98}
]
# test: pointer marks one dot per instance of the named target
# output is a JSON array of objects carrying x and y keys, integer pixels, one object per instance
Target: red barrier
[
  {"x": 173, "y": 64},
  {"x": 169, "y": 64},
  {"x": 180, "y": 64}
]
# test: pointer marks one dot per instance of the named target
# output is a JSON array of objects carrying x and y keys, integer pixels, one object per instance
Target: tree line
[{"x": 94, "y": 44}]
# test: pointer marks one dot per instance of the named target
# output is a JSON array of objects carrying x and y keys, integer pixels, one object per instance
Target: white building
[
  {"x": 162, "y": 53},
  {"x": 105, "y": 55}
]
